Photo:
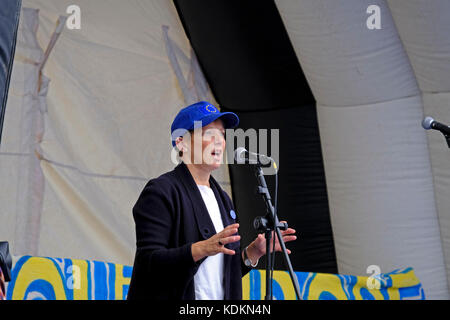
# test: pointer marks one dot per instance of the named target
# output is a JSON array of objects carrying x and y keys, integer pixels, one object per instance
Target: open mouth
[{"x": 216, "y": 153}]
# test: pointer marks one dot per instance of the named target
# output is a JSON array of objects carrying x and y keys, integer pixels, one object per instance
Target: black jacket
[{"x": 170, "y": 215}]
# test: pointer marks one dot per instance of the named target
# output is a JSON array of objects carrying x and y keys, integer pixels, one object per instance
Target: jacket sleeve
[
  {"x": 244, "y": 268},
  {"x": 154, "y": 215}
]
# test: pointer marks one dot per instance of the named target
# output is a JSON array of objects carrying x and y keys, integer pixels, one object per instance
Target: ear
[{"x": 181, "y": 145}]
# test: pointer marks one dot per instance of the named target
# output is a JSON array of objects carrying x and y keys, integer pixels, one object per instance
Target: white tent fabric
[
  {"x": 424, "y": 27},
  {"x": 376, "y": 158},
  {"x": 336, "y": 51},
  {"x": 76, "y": 153}
]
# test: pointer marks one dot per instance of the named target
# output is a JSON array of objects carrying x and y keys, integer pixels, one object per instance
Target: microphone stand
[{"x": 267, "y": 224}]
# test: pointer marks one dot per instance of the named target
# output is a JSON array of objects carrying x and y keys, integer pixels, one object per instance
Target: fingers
[
  {"x": 288, "y": 234},
  {"x": 289, "y": 238},
  {"x": 227, "y": 235},
  {"x": 228, "y": 240},
  {"x": 229, "y": 230},
  {"x": 228, "y": 251},
  {"x": 288, "y": 230},
  {"x": 224, "y": 241}
]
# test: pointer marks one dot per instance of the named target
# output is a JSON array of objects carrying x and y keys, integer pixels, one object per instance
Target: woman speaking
[{"x": 188, "y": 246}]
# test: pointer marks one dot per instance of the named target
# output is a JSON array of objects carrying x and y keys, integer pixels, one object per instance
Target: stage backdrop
[
  {"x": 369, "y": 107},
  {"x": 427, "y": 43},
  {"x": 87, "y": 123}
]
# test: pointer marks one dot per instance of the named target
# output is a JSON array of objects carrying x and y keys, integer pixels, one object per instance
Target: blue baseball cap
[{"x": 201, "y": 111}]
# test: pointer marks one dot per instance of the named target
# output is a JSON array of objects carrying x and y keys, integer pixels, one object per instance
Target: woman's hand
[
  {"x": 257, "y": 248},
  {"x": 216, "y": 244}
]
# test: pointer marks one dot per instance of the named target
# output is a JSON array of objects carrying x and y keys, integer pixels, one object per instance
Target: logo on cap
[{"x": 210, "y": 108}]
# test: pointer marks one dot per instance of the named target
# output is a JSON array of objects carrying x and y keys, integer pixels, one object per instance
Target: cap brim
[{"x": 230, "y": 119}]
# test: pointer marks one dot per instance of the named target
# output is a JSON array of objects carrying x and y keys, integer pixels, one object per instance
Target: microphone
[
  {"x": 429, "y": 123},
  {"x": 241, "y": 155}
]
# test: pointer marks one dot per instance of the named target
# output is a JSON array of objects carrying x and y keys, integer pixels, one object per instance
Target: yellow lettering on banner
[
  {"x": 281, "y": 277},
  {"x": 81, "y": 292},
  {"x": 37, "y": 268},
  {"x": 120, "y": 282},
  {"x": 246, "y": 287},
  {"x": 362, "y": 283},
  {"x": 329, "y": 281},
  {"x": 284, "y": 280},
  {"x": 262, "y": 283},
  {"x": 393, "y": 293},
  {"x": 401, "y": 280}
]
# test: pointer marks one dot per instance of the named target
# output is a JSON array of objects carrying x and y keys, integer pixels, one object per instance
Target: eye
[{"x": 208, "y": 134}]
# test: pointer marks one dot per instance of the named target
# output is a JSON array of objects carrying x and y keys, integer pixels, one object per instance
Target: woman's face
[{"x": 208, "y": 145}]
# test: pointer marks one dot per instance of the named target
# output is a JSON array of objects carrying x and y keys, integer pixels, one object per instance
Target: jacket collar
[
  {"x": 204, "y": 222},
  {"x": 223, "y": 203}
]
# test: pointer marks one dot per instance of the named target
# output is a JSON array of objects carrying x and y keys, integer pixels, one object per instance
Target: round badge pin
[{"x": 233, "y": 214}]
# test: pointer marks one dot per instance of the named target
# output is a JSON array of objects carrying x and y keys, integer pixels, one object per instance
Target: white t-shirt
[{"x": 209, "y": 277}]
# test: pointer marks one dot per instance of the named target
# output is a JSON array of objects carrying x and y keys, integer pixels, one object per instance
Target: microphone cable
[{"x": 275, "y": 210}]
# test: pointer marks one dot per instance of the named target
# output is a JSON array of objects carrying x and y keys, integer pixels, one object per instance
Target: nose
[{"x": 218, "y": 139}]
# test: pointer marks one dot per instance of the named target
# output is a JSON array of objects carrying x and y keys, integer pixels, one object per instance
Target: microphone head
[
  {"x": 239, "y": 155},
  {"x": 427, "y": 122}
]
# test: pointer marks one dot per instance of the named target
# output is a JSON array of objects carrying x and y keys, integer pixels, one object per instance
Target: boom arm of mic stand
[
  {"x": 447, "y": 138},
  {"x": 274, "y": 222}
]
